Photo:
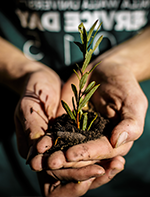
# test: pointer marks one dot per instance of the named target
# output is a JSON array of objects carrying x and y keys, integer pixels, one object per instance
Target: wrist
[
  {"x": 30, "y": 72},
  {"x": 132, "y": 54},
  {"x": 16, "y": 78},
  {"x": 14, "y": 66},
  {"x": 116, "y": 60}
]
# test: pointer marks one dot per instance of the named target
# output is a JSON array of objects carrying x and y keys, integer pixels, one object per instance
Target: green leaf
[
  {"x": 87, "y": 97},
  {"x": 74, "y": 113},
  {"x": 85, "y": 118},
  {"x": 83, "y": 80},
  {"x": 94, "y": 35},
  {"x": 68, "y": 110},
  {"x": 98, "y": 42},
  {"x": 81, "y": 99},
  {"x": 79, "y": 69},
  {"x": 92, "y": 122},
  {"x": 83, "y": 36},
  {"x": 91, "y": 31},
  {"x": 80, "y": 46},
  {"x": 87, "y": 59},
  {"x": 84, "y": 41},
  {"x": 73, "y": 103},
  {"x": 80, "y": 29},
  {"x": 89, "y": 87},
  {"x": 74, "y": 89},
  {"x": 94, "y": 67},
  {"x": 76, "y": 74}
]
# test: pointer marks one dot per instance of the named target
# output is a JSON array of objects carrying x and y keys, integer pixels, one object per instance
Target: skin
[
  {"x": 52, "y": 187},
  {"x": 39, "y": 88},
  {"x": 38, "y": 104},
  {"x": 119, "y": 97}
]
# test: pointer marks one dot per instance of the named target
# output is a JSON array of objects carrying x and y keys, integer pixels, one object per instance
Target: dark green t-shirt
[{"x": 45, "y": 30}]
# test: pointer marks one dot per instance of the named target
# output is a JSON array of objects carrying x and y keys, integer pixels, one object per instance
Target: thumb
[
  {"x": 127, "y": 130},
  {"x": 131, "y": 126}
]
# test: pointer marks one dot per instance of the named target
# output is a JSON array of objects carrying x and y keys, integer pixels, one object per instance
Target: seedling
[{"x": 83, "y": 95}]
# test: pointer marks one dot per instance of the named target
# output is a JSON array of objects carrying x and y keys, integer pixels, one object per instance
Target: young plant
[{"x": 83, "y": 95}]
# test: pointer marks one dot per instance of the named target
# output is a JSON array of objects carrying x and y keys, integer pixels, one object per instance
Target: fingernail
[
  {"x": 113, "y": 172},
  {"x": 100, "y": 172},
  {"x": 122, "y": 139}
]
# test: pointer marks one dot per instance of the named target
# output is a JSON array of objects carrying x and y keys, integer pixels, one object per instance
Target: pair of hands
[{"x": 95, "y": 163}]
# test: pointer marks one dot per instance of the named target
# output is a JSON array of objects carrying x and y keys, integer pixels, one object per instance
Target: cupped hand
[
  {"x": 58, "y": 168},
  {"x": 38, "y": 105},
  {"x": 76, "y": 182},
  {"x": 121, "y": 99}
]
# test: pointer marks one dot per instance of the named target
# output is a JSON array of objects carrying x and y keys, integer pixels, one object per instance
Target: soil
[{"x": 66, "y": 133}]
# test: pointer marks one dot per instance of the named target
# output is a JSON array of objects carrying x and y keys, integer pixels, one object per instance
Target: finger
[
  {"x": 70, "y": 189},
  {"x": 29, "y": 125},
  {"x": 57, "y": 160},
  {"x": 124, "y": 132},
  {"x": 36, "y": 163},
  {"x": 96, "y": 150},
  {"x": 112, "y": 168},
  {"x": 35, "y": 127},
  {"x": 47, "y": 88},
  {"x": 37, "y": 107},
  {"x": 44, "y": 144},
  {"x": 32, "y": 118},
  {"x": 133, "y": 115},
  {"x": 129, "y": 129},
  {"x": 49, "y": 97},
  {"x": 52, "y": 188},
  {"x": 77, "y": 174}
]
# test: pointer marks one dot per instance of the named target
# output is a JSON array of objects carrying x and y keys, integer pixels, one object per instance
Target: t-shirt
[{"x": 45, "y": 30}]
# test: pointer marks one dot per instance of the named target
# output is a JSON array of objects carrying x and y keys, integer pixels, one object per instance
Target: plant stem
[{"x": 78, "y": 121}]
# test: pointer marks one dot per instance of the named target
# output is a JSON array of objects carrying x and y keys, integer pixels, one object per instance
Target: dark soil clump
[{"x": 66, "y": 133}]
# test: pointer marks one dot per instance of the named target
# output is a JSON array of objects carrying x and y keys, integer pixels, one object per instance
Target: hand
[
  {"x": 121, "y": 99},
  {"x": 38, "y": 104},
  {"x": 106, "y": 100},
  {"x": 95, "y": 154},
  {"x": 76, "y": 182},
  {"x": 57, "y": 164},
  {"x": 89, "y": 153}
]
